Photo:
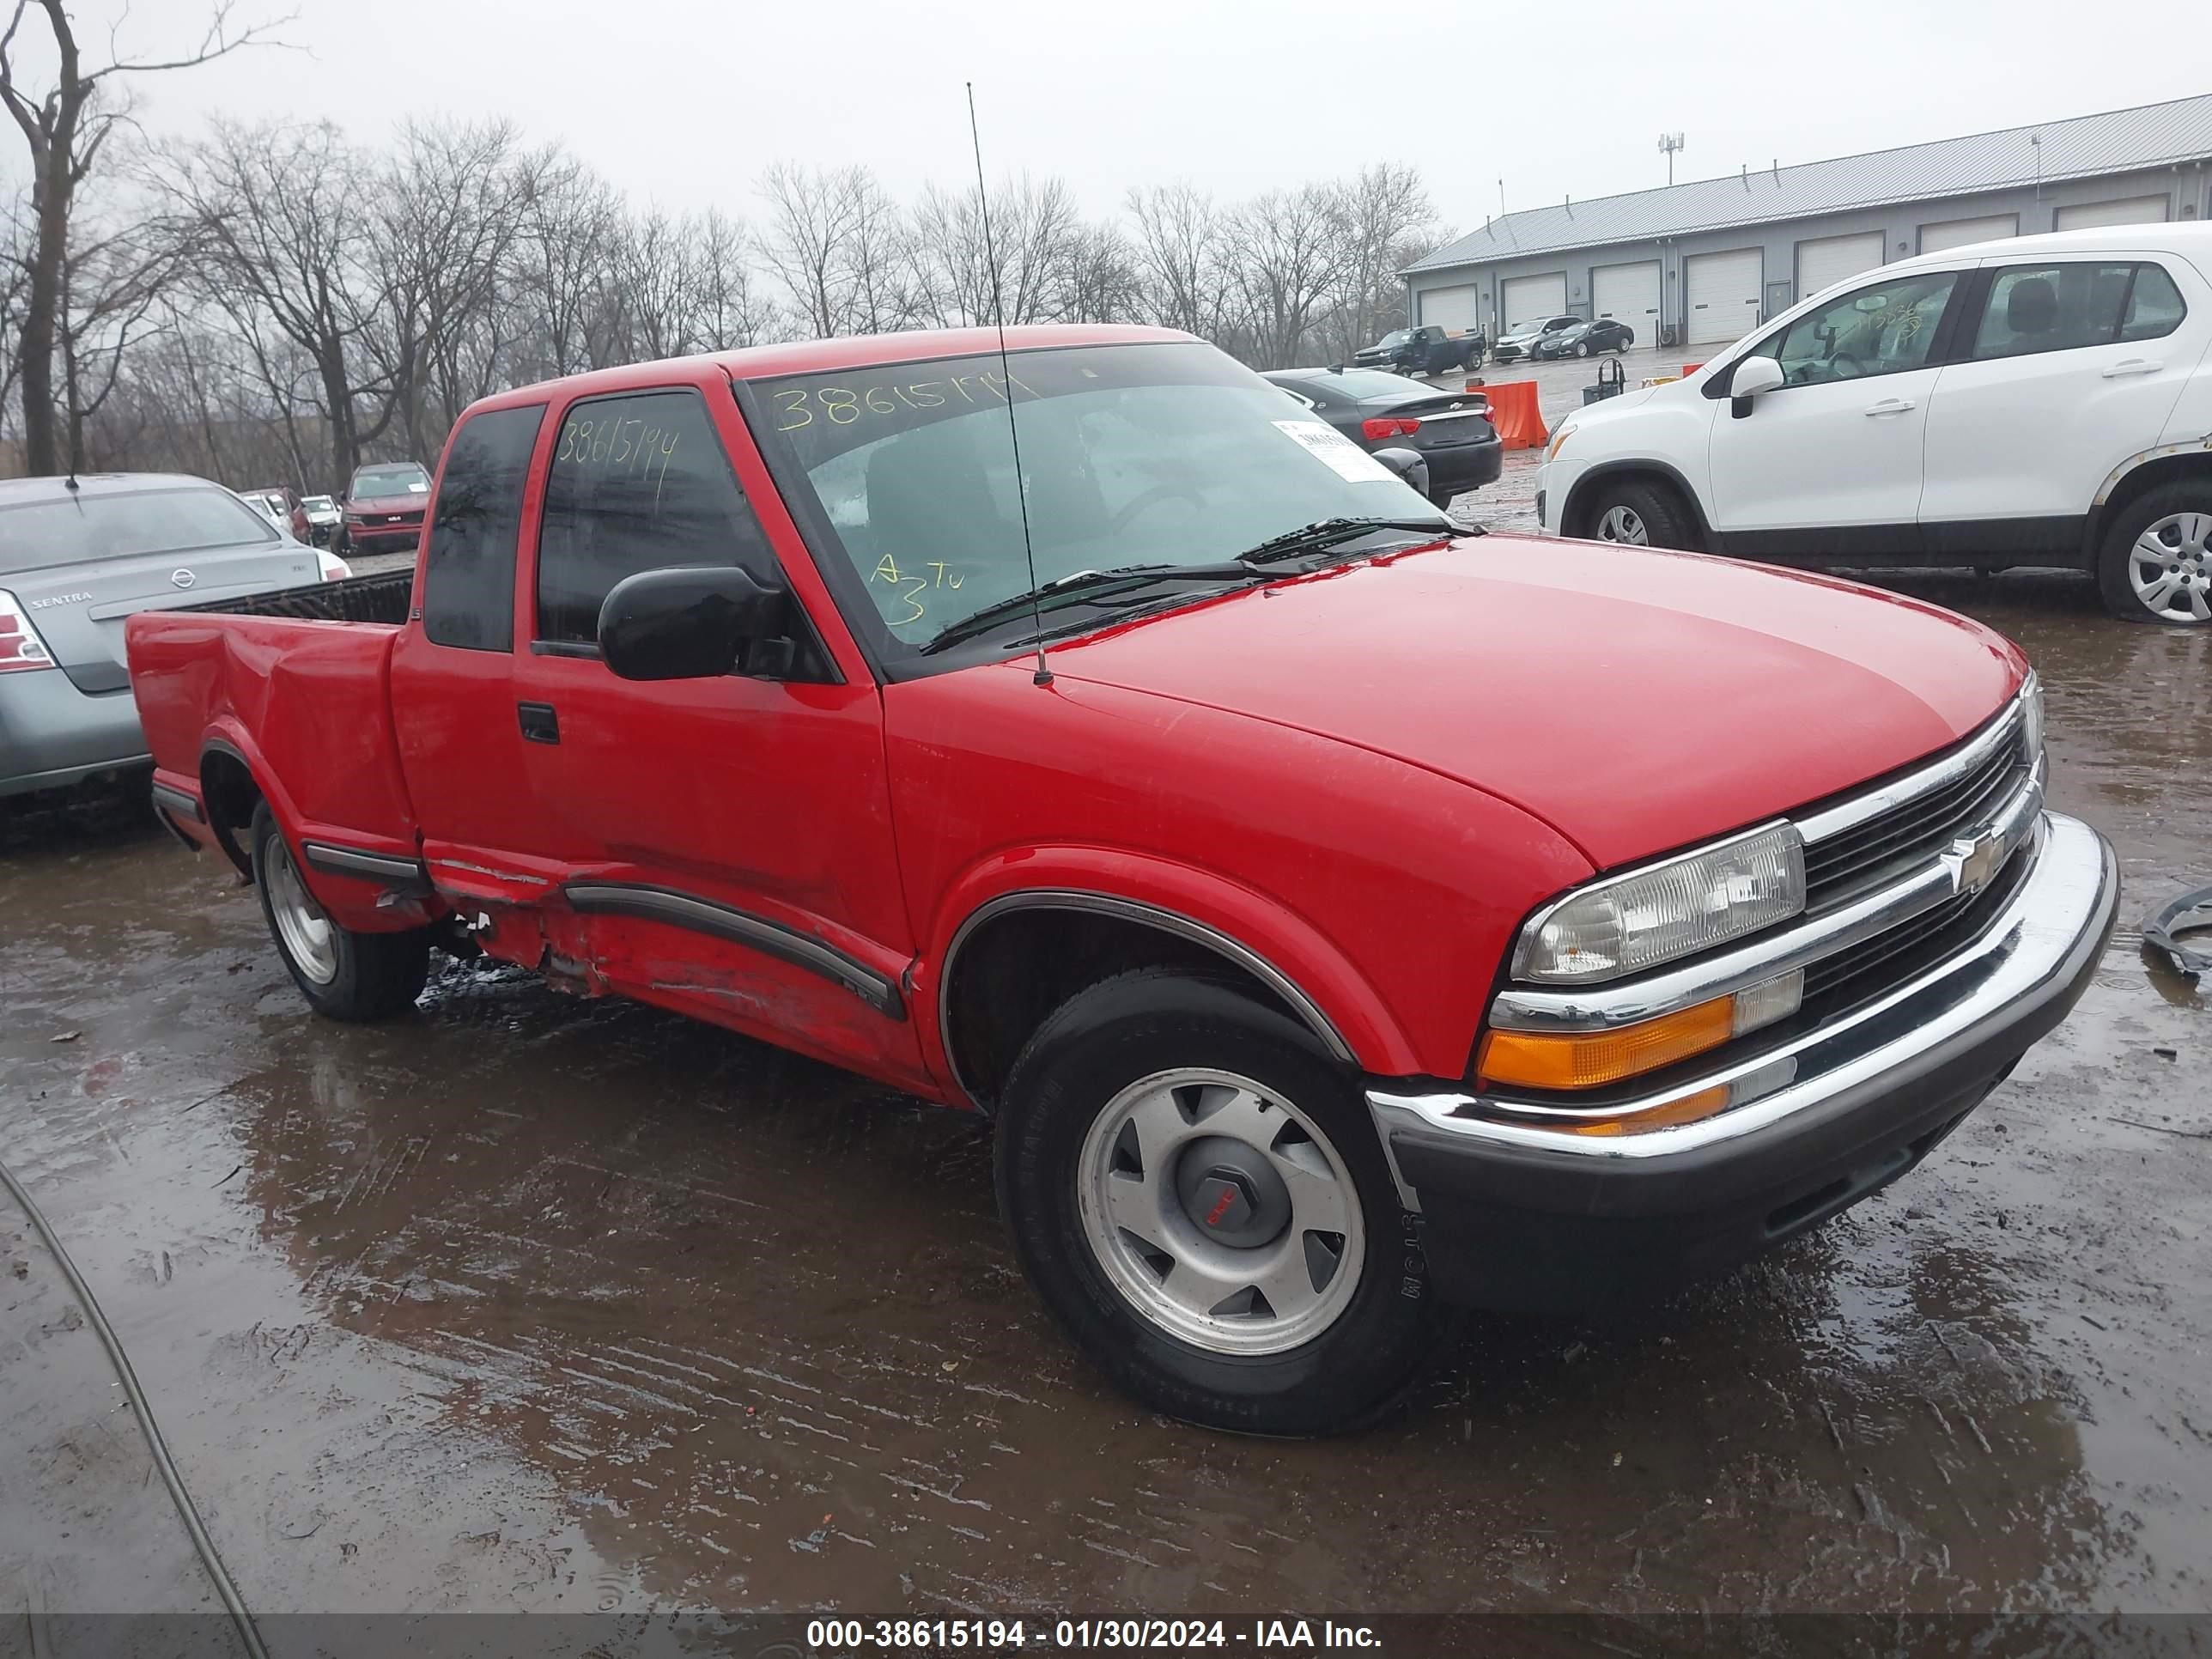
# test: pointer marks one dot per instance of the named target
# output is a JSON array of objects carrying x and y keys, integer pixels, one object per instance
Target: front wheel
[
  {"x": 1199, "y": 1196},
  {"x": 1640, "y": 514},
  {"x": 345, "y": 974},
  {"x": 2155, "y": 565}
]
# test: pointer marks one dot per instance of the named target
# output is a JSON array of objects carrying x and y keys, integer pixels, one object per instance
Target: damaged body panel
[{"x": 1190, "y": 794}]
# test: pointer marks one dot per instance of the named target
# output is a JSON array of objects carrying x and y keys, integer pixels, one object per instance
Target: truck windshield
[
  {"x": 80, "y": 528},
  {"x": 1396, "y": 336},
  {"x": 372, "y": 482},
  {"x": 1167, "y": 453}
]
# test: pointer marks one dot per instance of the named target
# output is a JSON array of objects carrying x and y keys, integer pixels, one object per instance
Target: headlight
[
  {"x": 1559, "y": 438},
  {"x": 1631, "y": 922},
  {"x": 2031, "y": 702}
]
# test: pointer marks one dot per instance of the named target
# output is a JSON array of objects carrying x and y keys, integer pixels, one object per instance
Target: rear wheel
[
  {"x": 2156, "y": 563},
  {"x": 342, "y": 974},
  {"x": 1639, "y": 514},
  {"x": 1199, "y": 1196}
]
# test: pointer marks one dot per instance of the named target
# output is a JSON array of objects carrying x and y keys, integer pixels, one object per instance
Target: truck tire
[
  {"x": 2155, "y": 565},
  {"x": 1197, "y": 1193},
  {"x": 343, "y": 975},
  {"x": 1640, "y": 513}
]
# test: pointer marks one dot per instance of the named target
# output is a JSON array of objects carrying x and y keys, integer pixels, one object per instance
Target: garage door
[
  {"x": 1958, "y": 233},
  {"x": 2134, "y": 210},
  {"x": 1826, "y": 260},
  {"x": 1629, "y": 294},
  {"x": 1723, "y": 298},
  {"x": 1454, "y": 308},
  {"x": 1531, "y": 299}
]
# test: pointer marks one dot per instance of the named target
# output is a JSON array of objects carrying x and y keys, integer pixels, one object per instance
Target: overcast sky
[{"x": 684, "y": 101}]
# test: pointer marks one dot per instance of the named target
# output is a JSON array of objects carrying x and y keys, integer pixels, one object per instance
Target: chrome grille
[
  {"x": 1841, "y": 981},
  {"x": 1853, "y": 860}
]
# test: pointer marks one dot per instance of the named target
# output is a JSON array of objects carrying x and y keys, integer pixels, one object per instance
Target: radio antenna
[{"x": 1006, "y": 383}]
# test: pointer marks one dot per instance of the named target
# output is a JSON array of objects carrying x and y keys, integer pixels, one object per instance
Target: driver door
[
  {"x": 1830, "y": 460},
  {"x": 726, "y": 842}
]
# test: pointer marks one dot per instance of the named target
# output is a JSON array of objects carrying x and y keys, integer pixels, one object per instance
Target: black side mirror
[
  {"x": 688, "y": 623},
  {"x": 1407, "y": 463}
]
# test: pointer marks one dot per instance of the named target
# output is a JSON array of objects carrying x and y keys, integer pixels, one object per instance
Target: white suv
[{"x": 2046, "y": 401}]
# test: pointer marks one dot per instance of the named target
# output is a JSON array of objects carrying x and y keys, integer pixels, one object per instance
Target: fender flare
[
  {"x": 1666, "y": 469},
  {"x": 228, "y": 738},
  {"x": 1283, "y": 950},
  {"x": 2093, "y": 528}
]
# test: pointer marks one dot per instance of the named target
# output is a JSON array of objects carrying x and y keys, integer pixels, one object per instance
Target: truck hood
[
  {"x": 1636, "y": 701},
  {"x": 368, "y": 505}
]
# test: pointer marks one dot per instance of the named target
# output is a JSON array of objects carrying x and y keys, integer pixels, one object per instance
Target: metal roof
[{"x": 2119, "y": 141}]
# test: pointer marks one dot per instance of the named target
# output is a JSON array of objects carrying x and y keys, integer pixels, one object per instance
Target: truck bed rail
[{"x": 379, "y": 598}]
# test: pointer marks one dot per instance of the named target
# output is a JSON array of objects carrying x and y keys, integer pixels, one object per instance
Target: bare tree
[
  {"x": 1381, "y": 215},
  {"x": 1182, "y": 247},
  {"x": 1102, "y": 282},
  {"x": 571, "y": 220},
  {"x": 15, "y": 276},
  {"x": 281, "y": 215},
  {"x": 1288, "y": 255},
  {"x": 111, "y": 299},
  {"x": 731, "y": 311},
  {"x": 811, "y": 219},
  {"x": 66, "y": 128},
  {"x": 838, "y": 245},
  {"x": 1037, "y": 234},
  {"x": 447, "y": 209}
]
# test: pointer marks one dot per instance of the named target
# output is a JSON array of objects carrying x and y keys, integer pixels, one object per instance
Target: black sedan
[
  {"x": 1452, "y": 431},
  {"x": 1585, "y": 340}
]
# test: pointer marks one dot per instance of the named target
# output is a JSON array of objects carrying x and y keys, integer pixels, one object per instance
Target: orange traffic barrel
[{"x": 1513, "y": 411}]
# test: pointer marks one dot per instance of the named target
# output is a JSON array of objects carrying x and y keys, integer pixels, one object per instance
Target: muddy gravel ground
[{"x": 527, "y": 1303}]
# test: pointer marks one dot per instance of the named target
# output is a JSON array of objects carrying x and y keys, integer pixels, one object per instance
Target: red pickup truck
[{"x": 1344, "y": 919}]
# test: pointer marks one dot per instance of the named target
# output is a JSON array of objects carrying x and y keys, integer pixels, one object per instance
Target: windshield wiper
[
  {"x": 1080, "y": 586},
  {"x": 1327, "y": 532}
]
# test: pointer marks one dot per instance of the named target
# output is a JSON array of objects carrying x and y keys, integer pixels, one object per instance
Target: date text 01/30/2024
[{"x": 830, "y": 1636}]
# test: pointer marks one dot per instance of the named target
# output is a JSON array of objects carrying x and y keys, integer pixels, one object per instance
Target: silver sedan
[{"x": 77, "y": 556}]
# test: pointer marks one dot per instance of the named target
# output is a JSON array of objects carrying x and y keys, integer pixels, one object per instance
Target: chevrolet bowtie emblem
[{"x": 1976, "y": 860}]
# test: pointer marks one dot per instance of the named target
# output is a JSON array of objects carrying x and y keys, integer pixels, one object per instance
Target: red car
[
  {"x": 1341, "y": 917},
  {"x": 283, "y": 506},
  {"x": 383, "y": 507}
]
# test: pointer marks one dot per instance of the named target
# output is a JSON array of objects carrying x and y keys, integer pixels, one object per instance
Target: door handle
[
  {"x": 1890, "y": 406},
  {"x": 539, "y": 722},
  {"x": 2133, "y": 365}
]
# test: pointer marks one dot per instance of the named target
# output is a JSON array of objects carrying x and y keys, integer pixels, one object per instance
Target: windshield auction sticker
[{"x": 1347, "y": 458}]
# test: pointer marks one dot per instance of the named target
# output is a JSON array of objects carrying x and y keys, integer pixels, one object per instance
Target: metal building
[{"x": 1699, "y": 264}]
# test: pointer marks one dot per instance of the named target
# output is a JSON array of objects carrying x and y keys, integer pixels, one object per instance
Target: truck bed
[
  {"x": 379, "y": 598},
  {"x": 297, "y": 684}
]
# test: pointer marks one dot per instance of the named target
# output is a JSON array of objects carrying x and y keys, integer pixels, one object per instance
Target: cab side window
[
  {"x": 1885, "y": 328},
  {"x": 468, "y": 575},
  {"x": 637, "y": 483}
]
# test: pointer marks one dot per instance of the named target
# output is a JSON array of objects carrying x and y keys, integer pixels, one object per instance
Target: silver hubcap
[
  {"x": 1221, "y": 1212},
  {"x": 2170, "y": 568},
  {"x": 1623, "y": 523},
  {"x": 304, "y": 930}
]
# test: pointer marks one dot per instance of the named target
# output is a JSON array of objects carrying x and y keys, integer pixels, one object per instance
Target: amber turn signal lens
[
  {"x": 1589, "y": 1059},
  {"x": 1690, "y": 1109}
]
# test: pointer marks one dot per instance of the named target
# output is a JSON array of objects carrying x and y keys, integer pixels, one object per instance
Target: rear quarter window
[{"x": 468, "y": 575}]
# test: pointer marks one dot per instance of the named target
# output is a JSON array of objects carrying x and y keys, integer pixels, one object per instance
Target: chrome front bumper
[{"x": 1985, "y": 1003}]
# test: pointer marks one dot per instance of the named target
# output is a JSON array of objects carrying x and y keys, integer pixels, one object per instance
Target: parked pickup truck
[
  {"x": 1425, "y": 350},
  {"x": 1333, "y": 940}
]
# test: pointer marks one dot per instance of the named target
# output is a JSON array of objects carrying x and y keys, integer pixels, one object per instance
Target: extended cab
[
  {"x": 1191, "y": 798},
  {"x": 2042, "y": 401},
  {"x": 1428, "y": 349}
]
